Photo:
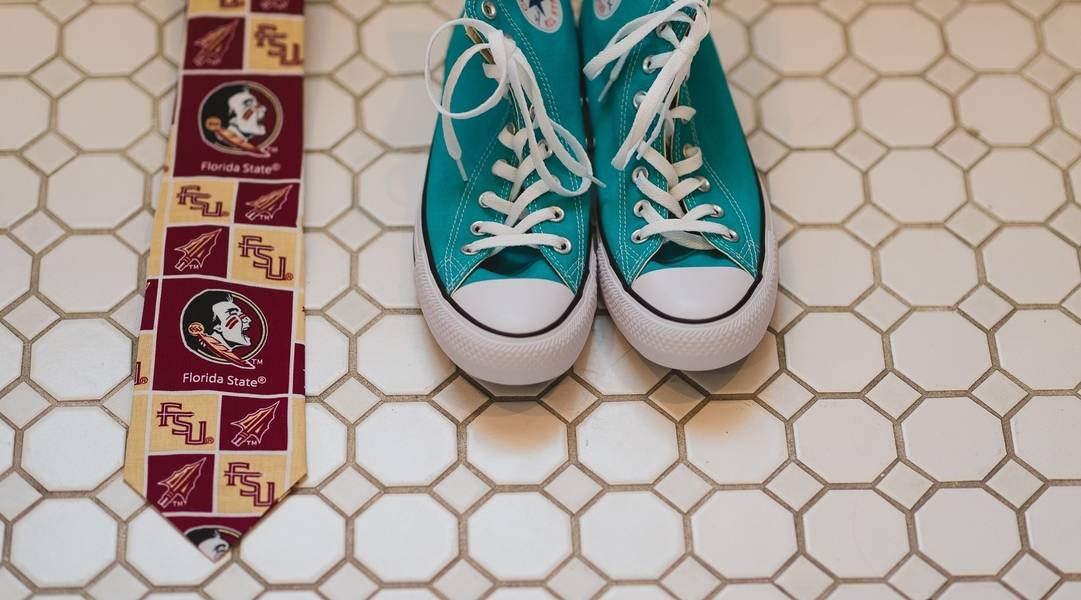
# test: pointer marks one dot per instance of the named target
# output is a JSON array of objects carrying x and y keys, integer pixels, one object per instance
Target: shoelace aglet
[{"x": 461, "y": 168}]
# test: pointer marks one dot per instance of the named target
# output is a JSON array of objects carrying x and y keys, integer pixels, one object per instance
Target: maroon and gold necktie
[{"x": 217, "y": 423}]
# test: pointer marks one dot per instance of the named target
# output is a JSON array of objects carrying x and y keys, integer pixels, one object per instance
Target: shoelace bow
[
  {"x": 656, "y": 116},
  {"x": 510, "y": 68}
]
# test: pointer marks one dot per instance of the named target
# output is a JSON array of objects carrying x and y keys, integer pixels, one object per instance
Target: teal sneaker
[
  {"x": 686, "y": 258},
  {"x": 504, "y": 271}
]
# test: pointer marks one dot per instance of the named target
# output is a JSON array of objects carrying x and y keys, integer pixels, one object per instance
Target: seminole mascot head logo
[
  {"x": 223, "y": 327},
  {"x": 241, "y": 117}
]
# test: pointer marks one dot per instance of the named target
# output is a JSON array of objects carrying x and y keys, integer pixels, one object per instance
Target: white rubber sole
[
  {"x": 693, "y": 346},
  {"x": 497, "y": 358}
]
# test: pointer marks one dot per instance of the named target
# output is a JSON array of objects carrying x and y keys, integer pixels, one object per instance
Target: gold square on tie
[
  {"x": 265, "y": 256},
  {"x": 250, "y": 483},
  {"x": 276, "y": 44},
  {"x": 227, "y": 7},
  {"x": 201, "y": 201},
  {"x": 183, "y": 422}
]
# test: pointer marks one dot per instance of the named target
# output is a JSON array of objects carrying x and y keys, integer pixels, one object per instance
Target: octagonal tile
[
  {"x": 855, "y": 533},
  {"x": 326, "y": 355},
  {"x": 730, "y": 37},
  {"x": 83, "y": 38},
  {"x": 1032, "y": 265},
  {"x": 967, "y": 531},
  {"x": 1054, "y": 527},
  {"x": 36, "y": 33},
  {"x": 16, "y": 263},
  {"x": 825, "y": 267},
  {"x": 930, "y": 198},
  {"x": 905, "y": 112},
  {"x": 519, "y": 536},
  {"x": 328, "y": 189},
  {"x": 627, "y": 442},
  {"x": 858, "y": 591},
  {"x": 396, "y": 37},
  {"x": 326, "y": 444},
  {"x": 73, "y": 448},
  {"x": 337, "y": 39},
  {"x": 104, "y": 114},
  {"x": 940, "y": 350},
  {"x": 1060, "y": 33},
  {"x": 11, "y": 351},
  {"x": 1069, "y": 106},
  {"x": 80, "y": 359},
  {"x": 983, "y": 104},
  {"x": 1016, "y": 184},
  {"x": 95, "y": 191},
  {"x": 390, "y": 188},
  {"x": 63, "y": 542},
  {"x": 405, "y": 443},
  {"x": 162, "y": 554},
  {"x": 611, "y": 365},
  {"x": 329, "y": 113},
  {"x": 19, "y": 195},
  {"x": 26, "y": 113},
  {"x": 385, "y": 270},
  {"x": 516, "y": 442},
  {"x": 798, "y": 40},
  {"x": 815, "y": 187},
  {"x": 298, "y": 541},
  {"x": 631, "y": 535},
  {"x": 1045, "y": 435},
  {"x": 405, "y": 537},
  {"x": 991, "y": 36},
  {"x": 977, "y": 590},
  {"x": 1042, "y": 348},
  {"x": 953, "y": 439},
  {"x": 329, "y": 275},
  {"x": 844, "y": 441},
  {"x": 928, "y": 266},
  {"x": 806, "y": 113},
  {"x": 743, "y": 533},
  {"x": 88, "y": 273},
  {"x": 834, "y": 352},
  {"x": 398, "y": 112},
  {"x": 736, "y": 441},
  {"x": 895, "y": 40},
  {"x": 7, "y": 447}
]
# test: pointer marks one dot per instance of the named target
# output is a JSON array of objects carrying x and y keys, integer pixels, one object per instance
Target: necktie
[{"x": 217, "y": 421}]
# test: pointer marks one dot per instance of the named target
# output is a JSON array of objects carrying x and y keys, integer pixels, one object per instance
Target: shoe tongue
[
  {"x": 535, "y": 19},
  {"x": 519, "y": 262}
]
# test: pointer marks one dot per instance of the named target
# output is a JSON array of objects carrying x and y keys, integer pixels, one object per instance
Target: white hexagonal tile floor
[{"x": 906, "y": 429}]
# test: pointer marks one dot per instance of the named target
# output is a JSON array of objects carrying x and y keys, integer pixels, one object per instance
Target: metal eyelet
[
  {"x": 718, "y": 211},
  {"x": 559, "y": 214},
  {"x": 638, "y": 207},
  {"x": 704, "y": 186},
  {"x": 487, "y": 8},
  {"x": 639, "y": 172},
  {"x": 636, "y": 237},
  {"x": 475, "y": 228},
  {"x": 647, "y": 65},
  {"x": 689, "y": 150},
  {"x": 481, "y": 202},
  {"x": 511, "y": 128},
  {"x": 730, "y": 236},
  {"x": 564, "y": 247},
  {"x": 468, "y": 251},
  {"x": 638, "y": 99}
]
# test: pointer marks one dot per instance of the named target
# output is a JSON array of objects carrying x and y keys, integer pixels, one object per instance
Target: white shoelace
[
  {"x": 657, "y": 116},
  {"x": 509, "y": 66}
]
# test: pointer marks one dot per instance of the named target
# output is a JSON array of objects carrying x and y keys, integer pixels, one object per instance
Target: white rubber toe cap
[
  {"x": 514, "y": 306},
  {"x": 693, "y": 293}
]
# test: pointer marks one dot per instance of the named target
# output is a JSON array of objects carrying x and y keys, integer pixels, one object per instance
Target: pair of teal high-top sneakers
[{"x": 507, "y": 261}]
